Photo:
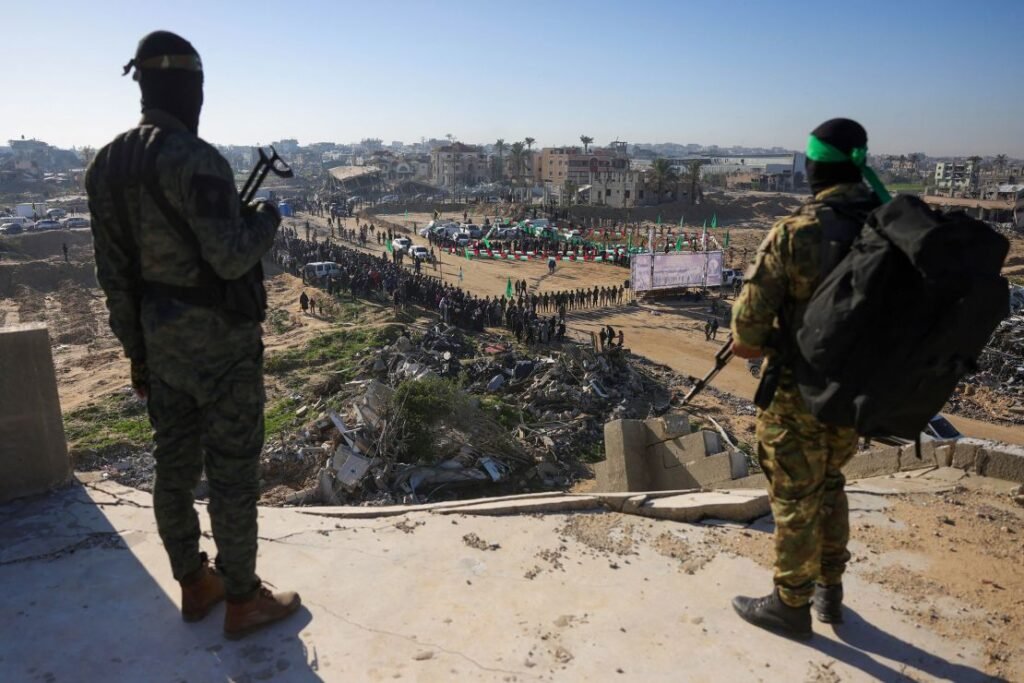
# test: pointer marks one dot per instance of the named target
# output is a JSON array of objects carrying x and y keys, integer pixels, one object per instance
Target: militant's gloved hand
[
  {"x": 264, "y": 206},
  {"x": 140, "y": 378}
]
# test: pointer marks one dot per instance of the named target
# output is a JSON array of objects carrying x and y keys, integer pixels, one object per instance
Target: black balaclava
[
  {"x": 844, "y": 134},
  {"x": 170, "y": 75}
]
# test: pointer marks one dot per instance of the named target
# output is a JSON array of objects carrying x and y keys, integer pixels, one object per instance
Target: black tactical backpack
[{"x": 901, "y": 319}]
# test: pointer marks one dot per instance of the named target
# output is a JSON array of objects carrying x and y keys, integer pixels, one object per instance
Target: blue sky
[{"x": 939, "y": 77}]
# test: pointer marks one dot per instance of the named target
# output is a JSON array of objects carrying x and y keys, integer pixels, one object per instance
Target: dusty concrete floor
[{"x": 585, "y": 596}]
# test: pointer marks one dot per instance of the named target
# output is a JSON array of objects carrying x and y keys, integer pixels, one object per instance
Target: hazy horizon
[{"x": 937, "y": 77}]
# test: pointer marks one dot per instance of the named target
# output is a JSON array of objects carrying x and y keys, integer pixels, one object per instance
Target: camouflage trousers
[
  {"x": 211, "y": 420},
  {"x": 802, "y": 459}
]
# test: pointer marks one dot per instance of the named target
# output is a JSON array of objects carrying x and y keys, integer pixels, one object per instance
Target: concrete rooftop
[{"x": 566, "y": 596}]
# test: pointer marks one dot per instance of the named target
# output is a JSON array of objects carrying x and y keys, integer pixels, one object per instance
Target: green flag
[
  {"x": 726, "y": 238},
  {"x": 508, "y": 288},
  {"x": 714, "y": 220},
  {"x": 680, "y": 221},
  {"x": 468, "y": 258},
  {"x": 387, "y": 245},
  {"x": 659, "y": 219},
  {"x": 679, "y": 243},
  {"x": 407, "y": 213},
  {"x": 486, "y": 242},
  {"x": 629, "y": 242}
]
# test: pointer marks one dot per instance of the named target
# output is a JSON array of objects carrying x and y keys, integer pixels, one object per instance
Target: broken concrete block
[
  {"x": 33, "y": 451},
  {"x": 733, "y": 506},
  {"x": 909, "y": 460},
  {"x": 301, "y": 411},
  {"x": 873, "y": 463},
  {"x": 944, "y": 455},
  {"x": 739, "y": 464},
  {"x": 711, "y": 471},
  {"x": 1001, "y": 462},
  {"x": 378, "y": 396},
  {"x": 625, "y": 469},
  {"x": 660, "y": 429},
  {"x": 350, "y": 468},
  {"x": 403, "y": 345},
  {"x": 964, "y": 453}
]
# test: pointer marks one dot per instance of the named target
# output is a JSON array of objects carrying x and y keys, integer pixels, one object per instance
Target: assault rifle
[
  {"x": 722, "y": 359},
  {"x": 265, "y": 165}
]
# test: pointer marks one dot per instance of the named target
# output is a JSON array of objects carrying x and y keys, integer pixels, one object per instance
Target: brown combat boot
[
  {"x": 200, "y": 591},
  {"x": 264, "y": 608}
]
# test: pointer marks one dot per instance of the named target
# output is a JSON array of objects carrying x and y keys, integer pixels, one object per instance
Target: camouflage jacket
[
  {"x": 135, "y": 242},
  {"x": 787, "y": 271}
]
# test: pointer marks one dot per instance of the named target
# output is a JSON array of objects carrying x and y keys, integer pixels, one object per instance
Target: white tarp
[{"x": 675, "y": 269}]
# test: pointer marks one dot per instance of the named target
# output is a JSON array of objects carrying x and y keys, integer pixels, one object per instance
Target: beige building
[
  {"x": 556, "y": 165},
  {"x": 619, "y": 189},
  {"x": 459, "y": 165}
]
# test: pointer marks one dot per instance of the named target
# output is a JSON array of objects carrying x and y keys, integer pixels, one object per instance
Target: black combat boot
[
  {"x": 828, "y": 603},
  {"x": 776, "y": 616}
]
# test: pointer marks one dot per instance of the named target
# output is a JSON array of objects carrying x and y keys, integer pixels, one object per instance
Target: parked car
[
  {"x": 940, "y": 428},
  {"x": 321, "y": 269},
  {"x": 46, "y": 224},
  {"x": 11, "y": 229},
  {"x": 56, "y": 214},
  {"x": 937, "y": 429},
  {"x": 25, "y": 223},
  {"x": 420, "y": 253},
  {"x": 730, "y": 275},
  {"x": 75, "y": 222},
  {"x": 401, "y": 243}
]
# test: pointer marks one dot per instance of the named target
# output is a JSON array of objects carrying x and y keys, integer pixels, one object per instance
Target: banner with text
[{"x": 675, "y": 269}]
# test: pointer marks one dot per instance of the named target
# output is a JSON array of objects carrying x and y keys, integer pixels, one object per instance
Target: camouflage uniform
[
  {"x": 204, "y": 363},
  {"x": 801, "y": 457}
]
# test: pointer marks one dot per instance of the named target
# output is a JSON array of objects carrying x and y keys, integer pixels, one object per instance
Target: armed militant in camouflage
[
  {"x": 801, "y": 457},
  {"x": 178, "y": 257}
]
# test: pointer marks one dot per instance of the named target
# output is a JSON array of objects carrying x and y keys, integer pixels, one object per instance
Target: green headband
[{"x": 819, "y": 150}]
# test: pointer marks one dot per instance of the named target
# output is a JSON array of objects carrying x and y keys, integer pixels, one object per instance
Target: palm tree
[
  {"x": 586, "y": 140},
  {"x": 662, "y": 177},
  {"x": 693, "y": 171},
  {"x": 1000, "y": 163},
  {"x": 517, "y": 154},
  {"x": 451, "y": 138},
  {"x": 500, "y": 146},
  {"x": 529, "y": 143}
]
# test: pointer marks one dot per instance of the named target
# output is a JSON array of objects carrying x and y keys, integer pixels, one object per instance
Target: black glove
[
  {"x": 140, "y": 378},
  {"x": 271, "y": 208}
]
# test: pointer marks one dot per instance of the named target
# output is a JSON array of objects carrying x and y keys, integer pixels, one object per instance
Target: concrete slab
[
  {"x": 525, "y": 507},
  {"x": 412, "y": 601},
  {"x": 371, "y": 512},
  {"x": 734, "y": 506},
  {"x": 751, "y": 481}
]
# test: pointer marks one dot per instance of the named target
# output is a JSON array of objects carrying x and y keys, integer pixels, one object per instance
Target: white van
[{"x": 320, "y": 269}]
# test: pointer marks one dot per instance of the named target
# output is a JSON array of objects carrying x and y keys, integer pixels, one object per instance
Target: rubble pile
[
  {"x": 996, "y": 390},
  {"x": 436, "y": 418}
]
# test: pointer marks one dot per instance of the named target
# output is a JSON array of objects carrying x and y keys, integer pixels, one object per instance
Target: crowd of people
[{"x": 531, "y": 317}]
